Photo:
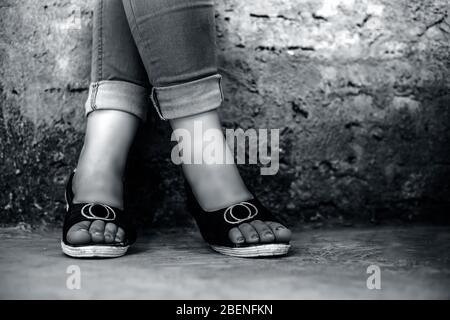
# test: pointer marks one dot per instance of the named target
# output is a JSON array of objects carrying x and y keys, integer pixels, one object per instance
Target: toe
[
  {"x": 110, "y": 232},
  {"x": 236, "y": 236},
  {"x": 79, "y": 233},
  {"x": 249, "y": 233},
  {"x": 265, "y": 233},
  {"x": 120, "y": 235},
  {"x": 97, "y": 231},
  {"x": 282, "y": 234}
]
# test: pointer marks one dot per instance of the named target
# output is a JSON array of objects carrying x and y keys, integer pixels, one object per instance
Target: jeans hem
[
  {"x": 188, "y": 98},
  {"x": 117, "y": 95}
]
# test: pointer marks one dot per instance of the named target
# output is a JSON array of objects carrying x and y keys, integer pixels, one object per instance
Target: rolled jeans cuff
[
  {"x": 186, "y": 99},
  {"x": 118, "y": 95}
]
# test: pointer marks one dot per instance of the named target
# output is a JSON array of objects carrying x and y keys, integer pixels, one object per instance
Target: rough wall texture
[{"x": 360, "y": 90}]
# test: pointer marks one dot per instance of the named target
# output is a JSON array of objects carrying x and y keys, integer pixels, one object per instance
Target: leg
[
  {"x": 115, "y": 107},
  {"x": 176, "y": 40},
  {"x": 229, "y": 188}
]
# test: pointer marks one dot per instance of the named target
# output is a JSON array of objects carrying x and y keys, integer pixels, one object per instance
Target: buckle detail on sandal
[
  {"x": 109, "y": 216},
  {"x": 232, "y": 219}
]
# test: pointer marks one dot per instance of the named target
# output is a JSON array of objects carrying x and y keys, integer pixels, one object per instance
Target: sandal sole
[
  {"x": 94, "y": 251},
  {"x": 263, "y": 250}
]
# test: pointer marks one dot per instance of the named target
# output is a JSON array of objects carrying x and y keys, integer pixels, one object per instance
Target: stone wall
[{"x": 358, "y": 88}]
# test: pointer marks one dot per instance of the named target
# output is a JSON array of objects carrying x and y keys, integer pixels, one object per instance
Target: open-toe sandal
[
  {"x": 215, "y": 225},
  {"x": 77, "y": 212}
]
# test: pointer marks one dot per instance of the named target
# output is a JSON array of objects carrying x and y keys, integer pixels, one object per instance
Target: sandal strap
[{"x": 215, "y": 225}]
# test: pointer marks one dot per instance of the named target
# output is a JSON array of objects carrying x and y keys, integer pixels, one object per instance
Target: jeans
[{"x": 159, "y": 52}]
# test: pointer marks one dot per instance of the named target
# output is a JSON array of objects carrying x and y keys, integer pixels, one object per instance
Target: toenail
[
  {"x": 268, "y": 234},
  {"x": 281, "y": 228},
  {"x": 254, "y": 236},
  {"x": 240, "y": 239}
]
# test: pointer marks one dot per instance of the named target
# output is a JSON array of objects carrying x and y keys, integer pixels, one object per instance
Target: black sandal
[
  {"x": 215, "y": 225},
  {"x": 77, "y": 212}
]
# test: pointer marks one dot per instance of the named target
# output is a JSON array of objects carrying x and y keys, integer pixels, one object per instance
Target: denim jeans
[{"x": 159, "y": 52}]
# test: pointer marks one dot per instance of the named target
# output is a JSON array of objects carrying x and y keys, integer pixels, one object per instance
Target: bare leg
[
  {"x": 99, "y": 174},
  {"x": 218, "y": 186}
]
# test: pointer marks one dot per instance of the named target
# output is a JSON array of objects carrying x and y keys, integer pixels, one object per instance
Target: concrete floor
[{"x": 324, "y": 264}]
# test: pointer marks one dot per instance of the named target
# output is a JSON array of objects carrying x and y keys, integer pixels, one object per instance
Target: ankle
[
  {"x": 216, "y": 186},
  {"x": 98, "y": 185}
]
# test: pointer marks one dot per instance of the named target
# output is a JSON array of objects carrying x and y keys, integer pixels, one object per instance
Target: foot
[
  {"x": 96, "y": 186},
  {"x": 96, "y": 232},
  {"x": 217, "y": 186},
  {"x": 259, "y": 231},
  {"x": 91, "y": 185},
  {"x": 98, "y": 178}
]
